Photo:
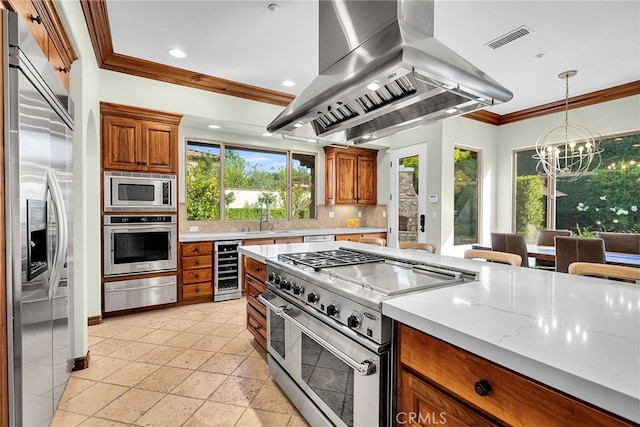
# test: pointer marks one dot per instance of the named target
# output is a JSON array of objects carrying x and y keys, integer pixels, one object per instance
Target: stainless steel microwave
[{"x": 127, "y": 191}]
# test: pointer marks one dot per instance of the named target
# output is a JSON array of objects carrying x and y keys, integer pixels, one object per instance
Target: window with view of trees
[
  {"x": 465, "y": 196},
  {"x": 606, "y": 199},
  {"x": 239, "y": 183}
]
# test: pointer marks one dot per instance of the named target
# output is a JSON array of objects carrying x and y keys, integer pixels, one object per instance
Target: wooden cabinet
[
  {"x": 255, "y": 276},
  {"x": 46, "y": 26},
  {"x": 196, "y": 272},
  {"x": 356, "y": 237},
  {"x": 350, "y": 176},
  {"x": 139, "y": 140},
  {"x": 436, "y": 378}
]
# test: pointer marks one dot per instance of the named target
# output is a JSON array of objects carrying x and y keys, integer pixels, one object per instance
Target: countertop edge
[
  {"x": 580, "y": 388},
  {"x": 238, "y": 235}
]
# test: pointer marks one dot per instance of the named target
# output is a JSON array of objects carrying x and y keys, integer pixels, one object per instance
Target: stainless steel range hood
[{"x": 388, "y": 43}]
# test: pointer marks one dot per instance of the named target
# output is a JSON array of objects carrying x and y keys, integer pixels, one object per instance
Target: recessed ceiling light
[
  {"x": 273, "y": 7},
  {"x": 266, "y": 134},
  {"x": 213, "y": 126},
  {"x": 298, "y": 124},
  {"x": 177, "y": 53},
  {"x": 367, "y": 136},
  {"x": 312, "y": 140},
  {"x": 373, "y": 86},
  {"x": 288, "y": 83},
  {"x": 450, "y": 110}
]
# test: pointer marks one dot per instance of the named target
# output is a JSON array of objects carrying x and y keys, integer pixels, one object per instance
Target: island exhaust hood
[{"x": 381, "y": 71}]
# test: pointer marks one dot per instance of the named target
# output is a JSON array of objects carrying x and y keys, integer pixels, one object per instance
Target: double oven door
[{"x": 346, "y": 381}]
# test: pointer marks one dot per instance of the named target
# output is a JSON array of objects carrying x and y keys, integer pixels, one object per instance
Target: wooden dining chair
[
  {"x": 427, "y": 247},
  {"x": 546, "y": 238},
  {"x": 573, "y": 249},
  {"x": 627, "y": 243},
  {"x": 605, "y": 270},
  {"x": 373, "y": 241},
  {"x": 494, "y": 256},
  {"x": 511, "y": 243}
]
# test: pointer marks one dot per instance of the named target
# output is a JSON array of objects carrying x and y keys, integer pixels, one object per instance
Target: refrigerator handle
[{"x": 62, "y": 244}]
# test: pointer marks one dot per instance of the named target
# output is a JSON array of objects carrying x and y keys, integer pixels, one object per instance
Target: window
[
  {"x": 606, "y": 199},
  {"x": 465, "y": 196},
  {"x": 253, "y": 182}
]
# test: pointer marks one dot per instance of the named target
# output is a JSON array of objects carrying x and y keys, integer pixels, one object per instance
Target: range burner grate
[{"x": 333, "y": 258}]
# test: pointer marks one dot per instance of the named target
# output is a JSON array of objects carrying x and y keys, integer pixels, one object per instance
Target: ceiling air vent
[{"x": 509, "y": 37}]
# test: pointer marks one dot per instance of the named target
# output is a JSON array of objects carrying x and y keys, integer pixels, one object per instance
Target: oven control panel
[{"x": 328, "y": 304}]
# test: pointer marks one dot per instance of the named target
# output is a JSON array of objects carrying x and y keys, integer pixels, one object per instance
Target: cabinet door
[
  {"x": 419, "y": 403},
  {"x": 346, "y": 178},
  {"x": 367, "y": 181},
  {"x": 120, "y": 137},
  {"x": 158, "y": 147},
  {"x": 330, "y": 177}
]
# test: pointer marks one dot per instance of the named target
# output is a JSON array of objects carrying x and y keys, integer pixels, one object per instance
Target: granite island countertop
[
  {"x": 576, "y": 334},
  {"x": 245, "y": 235}
]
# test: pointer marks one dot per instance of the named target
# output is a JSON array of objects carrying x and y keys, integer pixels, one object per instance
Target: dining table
[{"x": 548, "y": 253}]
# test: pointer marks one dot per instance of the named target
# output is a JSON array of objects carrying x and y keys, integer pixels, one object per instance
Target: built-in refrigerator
[{"x": 38, "y": 124}]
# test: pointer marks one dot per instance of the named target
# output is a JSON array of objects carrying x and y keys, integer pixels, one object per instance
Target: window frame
[{"x": 479, "y": 207}]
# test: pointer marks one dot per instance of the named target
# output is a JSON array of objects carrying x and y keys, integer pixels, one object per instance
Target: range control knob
[
  {"x": 288, "y": 285},
  {"x": 277, "y": 279},
  {"x": 297, "y": 289},
  {"x": 332, "y": 310},
  {"x": 271, "y": 277},
  {"x": 353, "y": 321},
  {"x": 312, "y": 298}
]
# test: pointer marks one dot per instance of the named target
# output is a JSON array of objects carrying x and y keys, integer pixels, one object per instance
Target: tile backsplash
[{"x": 372, "y": 216}]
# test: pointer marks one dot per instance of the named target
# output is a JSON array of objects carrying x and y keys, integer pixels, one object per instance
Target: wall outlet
[
  {"x": 384, "y": 214},
  {"x": 332, "y": 214},
  {"x": 193, "y": 228},
  {"x": 434, "y": 214},
  {"x": 359, "y": 214}
]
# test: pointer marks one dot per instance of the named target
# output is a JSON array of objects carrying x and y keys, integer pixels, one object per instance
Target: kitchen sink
[{"x": 271, "y": 232}]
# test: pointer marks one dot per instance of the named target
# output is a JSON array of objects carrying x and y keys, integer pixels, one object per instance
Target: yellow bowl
[{"x": 353, "y": 222}]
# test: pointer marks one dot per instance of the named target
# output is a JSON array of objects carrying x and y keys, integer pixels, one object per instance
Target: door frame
[{"x": 395, "y": 155}]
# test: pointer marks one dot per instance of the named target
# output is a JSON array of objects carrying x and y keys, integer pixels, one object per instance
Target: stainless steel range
[{"x": 329, "y": 344}]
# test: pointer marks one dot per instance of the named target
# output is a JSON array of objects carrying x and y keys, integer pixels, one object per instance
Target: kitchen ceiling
[{"x": 248, "y": 42}]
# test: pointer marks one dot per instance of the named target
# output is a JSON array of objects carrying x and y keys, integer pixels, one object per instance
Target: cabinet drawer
[
  {"x": 255, "y": 268},
  {"x": 197, "y": 248},
  {"x": 514, "y": 399},
  {"x": 195, "y": 276},
  {"x": 197, "y": 290},
  {"x": 191, "y": 262},
  {"x": 257, "y": 325}
]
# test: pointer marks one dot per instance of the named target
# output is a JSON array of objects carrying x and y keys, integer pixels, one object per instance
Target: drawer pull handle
[
  {"x": 257, "y": 269},
  {"x": 483, "y": 388}
]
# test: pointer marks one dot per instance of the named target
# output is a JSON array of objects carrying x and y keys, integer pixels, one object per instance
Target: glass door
[{"x": 408, "y": 206}]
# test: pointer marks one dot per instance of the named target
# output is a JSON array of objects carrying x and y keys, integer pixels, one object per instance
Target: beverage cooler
[{"x": 226, "y": 266}]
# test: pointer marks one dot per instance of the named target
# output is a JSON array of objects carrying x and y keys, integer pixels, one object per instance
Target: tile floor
[{"x": 194, "y": 365}]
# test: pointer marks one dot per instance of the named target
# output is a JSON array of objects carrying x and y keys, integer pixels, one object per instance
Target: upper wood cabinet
[
  {"x": 350, "y": 176},
  {"x": 140, "y": 140}
]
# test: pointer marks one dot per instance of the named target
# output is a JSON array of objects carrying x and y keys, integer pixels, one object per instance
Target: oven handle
[{"x": 367, "y": 367}]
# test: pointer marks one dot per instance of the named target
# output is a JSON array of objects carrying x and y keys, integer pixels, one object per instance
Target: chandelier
[{"x": 567, "y": 151}]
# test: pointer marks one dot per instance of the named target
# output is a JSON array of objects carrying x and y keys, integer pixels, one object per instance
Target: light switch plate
[
  {"x": 193, "y": 228},
  {"x": 359, "y": 214},
  {"x": 332, "y": 214}
]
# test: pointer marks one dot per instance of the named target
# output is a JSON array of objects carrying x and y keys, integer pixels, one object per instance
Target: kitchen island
[{"x": 577, "y": 335}]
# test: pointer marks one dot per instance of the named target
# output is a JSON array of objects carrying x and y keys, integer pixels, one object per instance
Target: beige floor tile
[
  {"x": 256, "y": 417},
  {"x": 190, "y": 359},
  {"x": 131, "y": 374},
  {"x": 237, "y": 391},
  {"x": 179, "y": 324},
  {"x": 133, "y": 351},
  {"x": 228, "y": 330},
  {"x": 101, "y": 422},
  {"x": 66, "y": 419},
  {"x": 164, "y": 379},
  {"x": 240, "y": 320},
  {"x": 215, "y": 414},
  {"x": 93, "y": 340},
  {"x": 218, "y": 317},
  {"x": 170, "y": 411},
  {"x": 106, "y": 329},
  {"x": 199, "y": 385},
  {"x": 130, "y": 406},
  {"x": 184, "y": 340},
  {"x": 238, "y": 346},
  {"x": 160, "y": 355},
  {"x": 93, "y": 399},
  {"x": 272, "y": 398},
  {"x": 74, "y": 387},
  {"x": 297, "y": 420},
  {"x": 158, "y": 336},
  {"x": 211, "y": 343},
  {"x": 222, "y": 363},
  {"x": 153, "y": 322},
  {"x": 203, "y": 327},
  {"x": 108, "y": 346},
  {"x": 195, "y": 315},
  {"x": 100, "y": 368},
  {"x": 133, "y": 333},
  {"x": 244, "y": 334},
  {"x": 253, "y": 367}
]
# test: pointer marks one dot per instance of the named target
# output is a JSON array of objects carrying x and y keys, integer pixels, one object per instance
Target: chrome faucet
[{"x": 263, "y": 211}]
